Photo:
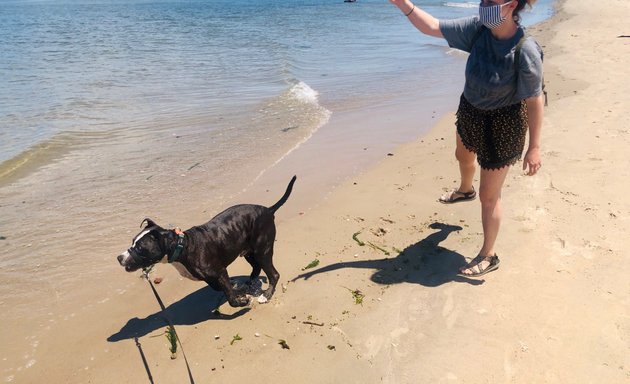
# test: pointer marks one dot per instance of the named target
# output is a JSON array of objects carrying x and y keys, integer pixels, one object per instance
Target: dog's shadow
[
  {"x": 424, "y": 263},
  {"x": 195, "y": 308}
]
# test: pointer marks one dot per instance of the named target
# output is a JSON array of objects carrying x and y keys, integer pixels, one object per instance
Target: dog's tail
[{"x": 285, "y": 197}]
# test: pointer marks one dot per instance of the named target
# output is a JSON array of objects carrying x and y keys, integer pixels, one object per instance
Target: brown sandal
[
  {"x": 456, "y": 196},
  {"x": 475, "y": 266}
]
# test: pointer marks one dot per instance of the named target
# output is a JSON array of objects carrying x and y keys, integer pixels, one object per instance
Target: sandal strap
[
  {"x": 455, "y": 195},
  {"x": 476, "y": 262},
  {"x": 465, "y": 194},
  {"x": 475, "y": 268}
]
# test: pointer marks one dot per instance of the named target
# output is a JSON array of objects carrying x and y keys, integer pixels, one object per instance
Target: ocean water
[
  {"x": 77, "y": 72},
  {"x": 110, "y": 110}
]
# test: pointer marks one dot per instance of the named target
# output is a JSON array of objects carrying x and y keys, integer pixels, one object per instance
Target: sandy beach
[{"x": 384, "y": 303}]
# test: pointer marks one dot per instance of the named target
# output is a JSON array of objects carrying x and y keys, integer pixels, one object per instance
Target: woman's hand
[
  {"x": 403, "y": 5},
  {"x": 531, "y": 162},
  {"x": 422, "y": 20}
]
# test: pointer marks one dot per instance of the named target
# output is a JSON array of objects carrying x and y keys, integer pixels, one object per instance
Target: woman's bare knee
[
  {"x": 462, "y": 154},
  {"x": 489, "y": 198}
]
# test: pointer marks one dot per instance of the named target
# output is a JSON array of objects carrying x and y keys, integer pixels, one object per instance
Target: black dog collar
[{"x": 178, "y": 247}]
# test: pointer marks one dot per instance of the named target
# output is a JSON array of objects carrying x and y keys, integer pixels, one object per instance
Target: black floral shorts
[{"x": 497, "y": 136}]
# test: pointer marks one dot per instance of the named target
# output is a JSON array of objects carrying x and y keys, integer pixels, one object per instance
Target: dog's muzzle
[{"x": 130, "y": 260}]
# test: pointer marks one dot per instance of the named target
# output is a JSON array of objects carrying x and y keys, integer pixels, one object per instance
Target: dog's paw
[
  {"x": 240, "y": 301},
  {"x": 254, "y": 287}
]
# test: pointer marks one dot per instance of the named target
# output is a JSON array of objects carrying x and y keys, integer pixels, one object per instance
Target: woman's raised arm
[{"x": 422, "y": 20}]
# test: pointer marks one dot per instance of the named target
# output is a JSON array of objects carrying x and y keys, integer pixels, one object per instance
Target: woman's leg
[
  {"x": 490, "y": 186},
  {"x": 467, "y": 167},
  {"x": 466, "y": 160}
]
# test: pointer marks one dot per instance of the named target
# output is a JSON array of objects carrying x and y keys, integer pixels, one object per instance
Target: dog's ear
[{"x": 150, "y": 223}]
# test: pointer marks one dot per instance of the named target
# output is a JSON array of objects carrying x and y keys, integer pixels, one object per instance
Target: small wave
[
  {"x": 470, "y": 4},
  {"x": 303, "y": 103},
  {"x": 32, "y": 159},
  {"x": 456, "y": 52},
  {"x": 319, "y": 115},
  {"x": 43, "y": 153}
]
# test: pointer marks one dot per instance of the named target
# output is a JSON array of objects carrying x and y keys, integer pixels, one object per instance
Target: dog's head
[{"x": 147, "y": 248}]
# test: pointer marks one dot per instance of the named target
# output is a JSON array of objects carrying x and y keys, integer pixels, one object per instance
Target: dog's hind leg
[
  {"x": 255, "y": 267},
  {"x": 272, "y": 274},
  {"x": 253, "y": 286},
  {"x": 262, "y": 252}
]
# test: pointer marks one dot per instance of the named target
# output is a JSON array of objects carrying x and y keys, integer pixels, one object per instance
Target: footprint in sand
[
  {"x": 448, "y": 309},
  {"x": 373, "y": 345},
  {"x": 398, "y": 333},
  {"x": 530, "y": 217}
]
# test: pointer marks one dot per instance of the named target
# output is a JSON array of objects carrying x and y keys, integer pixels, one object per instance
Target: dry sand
[{"x": 557, "y": 310}]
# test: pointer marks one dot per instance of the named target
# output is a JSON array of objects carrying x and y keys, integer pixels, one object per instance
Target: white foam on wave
[
  {"x": 456, "y": 52},
  {"x": 470, "y": 4},
  {"x": 303, "y": 93}
]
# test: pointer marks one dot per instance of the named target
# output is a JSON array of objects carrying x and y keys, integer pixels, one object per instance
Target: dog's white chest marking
[
  {"x": 180, "y": 268},
  {"x": 183, "y": 271}
]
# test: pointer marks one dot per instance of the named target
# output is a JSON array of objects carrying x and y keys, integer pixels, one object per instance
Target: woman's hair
[{"x": 521, "y": 4}]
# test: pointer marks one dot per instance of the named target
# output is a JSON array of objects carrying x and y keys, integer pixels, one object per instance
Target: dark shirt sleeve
[
  {"x": 459, "y": 33},
  {"x": 530, "y": 75}
]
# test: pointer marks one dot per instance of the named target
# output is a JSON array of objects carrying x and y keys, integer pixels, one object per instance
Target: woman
[{"x": 499, "y": 103}]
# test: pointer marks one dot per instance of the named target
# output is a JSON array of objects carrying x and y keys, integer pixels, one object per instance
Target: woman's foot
[
  {"x": 479, "y": 266},
  {"x": 456, "y": 196}
]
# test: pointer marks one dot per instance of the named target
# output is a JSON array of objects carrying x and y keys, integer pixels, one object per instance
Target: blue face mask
[{"x": 490, "y": 16}]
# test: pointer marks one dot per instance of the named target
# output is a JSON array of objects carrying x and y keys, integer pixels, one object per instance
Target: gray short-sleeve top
[{"x": 491, "y": 79}]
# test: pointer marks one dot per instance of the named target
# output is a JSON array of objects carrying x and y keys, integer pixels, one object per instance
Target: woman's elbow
[
  {"x": 432, "y": 28},
  {"x": 535, "y": 101}
]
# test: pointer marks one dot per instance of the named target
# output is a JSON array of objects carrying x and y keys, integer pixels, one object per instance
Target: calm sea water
[
  {"x": 80, "y": 71},
  {"x": 111, "y": 109}
]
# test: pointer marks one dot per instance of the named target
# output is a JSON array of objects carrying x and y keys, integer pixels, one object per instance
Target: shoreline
[
  {"x": 556, "y": 310},
  {"x": 343, "y": 149}
]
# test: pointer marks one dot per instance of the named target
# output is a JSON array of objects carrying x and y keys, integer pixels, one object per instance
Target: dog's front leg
[{"x": 223, "y": 283}]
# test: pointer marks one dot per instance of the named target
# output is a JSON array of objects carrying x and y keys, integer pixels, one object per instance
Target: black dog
[{"x": 204, "y": 252}]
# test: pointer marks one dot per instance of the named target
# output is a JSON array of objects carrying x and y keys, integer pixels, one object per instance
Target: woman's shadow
[
  {"x": 192, "y": 309},
  {"x": 424, "y": 263}
]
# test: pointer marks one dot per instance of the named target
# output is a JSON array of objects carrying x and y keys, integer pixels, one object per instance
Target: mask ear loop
[{"x": 508, "y": 5}]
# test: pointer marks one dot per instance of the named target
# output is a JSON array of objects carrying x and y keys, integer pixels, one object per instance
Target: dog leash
[
  {"x": 144, "y": 360},
  {"x": 170, "y": 324}
]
